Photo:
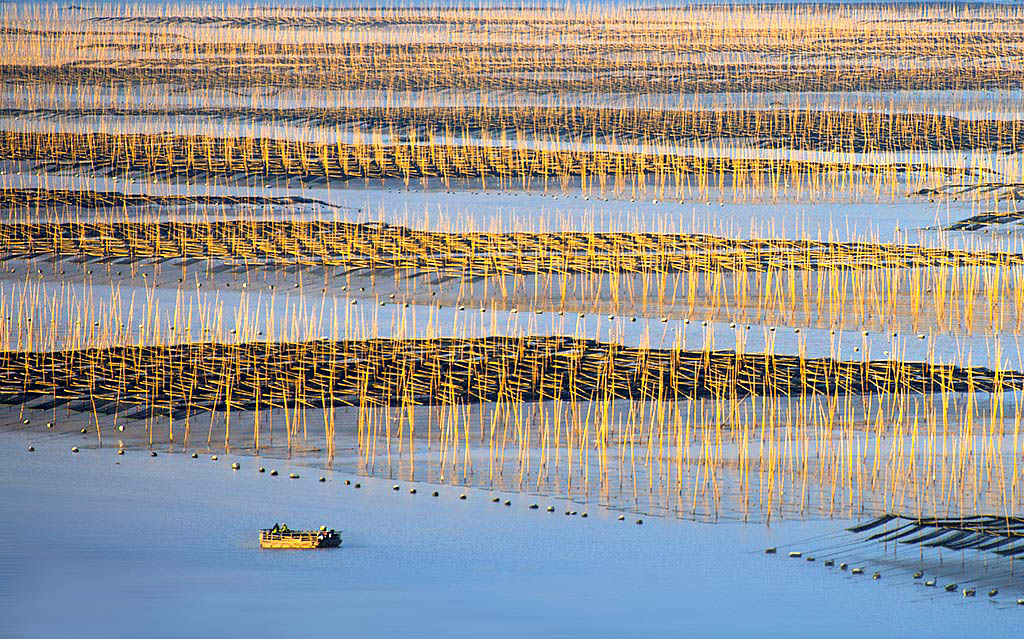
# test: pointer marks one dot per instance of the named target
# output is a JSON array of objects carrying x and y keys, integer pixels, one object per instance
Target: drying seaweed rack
[{"x": 997, "y": 534}]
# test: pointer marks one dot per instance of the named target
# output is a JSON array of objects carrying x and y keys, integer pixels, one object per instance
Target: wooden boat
[{"x": 299, "y": 539}]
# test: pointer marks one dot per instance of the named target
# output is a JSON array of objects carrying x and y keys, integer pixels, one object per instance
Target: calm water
[{"x": 132, "y": 546}]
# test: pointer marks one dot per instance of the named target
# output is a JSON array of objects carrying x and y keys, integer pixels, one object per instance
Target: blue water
[{"x": 96, "y": 544}]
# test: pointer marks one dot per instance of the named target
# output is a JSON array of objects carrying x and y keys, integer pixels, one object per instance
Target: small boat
[{"x": 284, "y": 537}]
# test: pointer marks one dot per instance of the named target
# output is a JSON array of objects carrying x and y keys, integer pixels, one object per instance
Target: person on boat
[
  {"x": 284, "y": 528},
  {"x": 276, "y": 528}
]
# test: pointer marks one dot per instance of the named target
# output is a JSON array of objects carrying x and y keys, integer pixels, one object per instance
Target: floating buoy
[
  {"x": 347, "y": 482},
  {"x": 495, "y": 500},
  {"x": 993, "y": 592},
  {"x": 395, "y": 487},
  {"x": 235, "y": 466},
  {"x": 273, "y": 473},
  {"x": 829, "y": 563},
  {"x": 195, "y": 455},
  {"x": 969, "y": 592},
  {"x": 412, "y": 491},
  {"x": 84, "y": 431},
  {"x": 951, "y": 587},
  {"x": 583, "y": 515},
  {"x": 49, "y": 424},
  {"x": 262, "y": 469},
  {"x": 462, "y": 496},
  {"x": 152, "y": 453},
  {"x": 74, "y": 449},
  {"x": 507, "y": 502},
  {"x": 293, "y": 475},
  {"x": 1020, "y": 601},
  {"x": 810, "y": 559},
  {"x": 551, "y": 509},
  {"x": 31, "y": 449},
  {"x": 359, "y": 485},
  {"x": 533, "y": 506},
  {"x": 639, "y": 522},
  {"x": 120, "y": 451},
  {"x": 930, "y": 583},
  {"x": 434, "y": 494},
  {"x": 918, "y": 575},
  {"x": 322, "y": 479},
  {"x": 567, "y": 513},
  {"x": 876, "y": 576},
  {"x": 622, "y": 518},
  {"x": 857, "y": 571},
  {"x": 843, "y": 566},
  {"x": 213, "y": 458},
  {"x": 795, "y": 554},
  {"x": 770, "y": 551}
]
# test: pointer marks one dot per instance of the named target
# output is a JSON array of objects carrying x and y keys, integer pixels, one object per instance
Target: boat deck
[{"x": 299, "y": 539}]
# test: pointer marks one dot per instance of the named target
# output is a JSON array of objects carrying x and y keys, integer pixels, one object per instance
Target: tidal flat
[
  {"x": 131, "y": 545},
  {"x": 710, "y": 312}
]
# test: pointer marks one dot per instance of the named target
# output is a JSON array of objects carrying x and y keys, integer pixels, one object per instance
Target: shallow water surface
[{"x": 135, "y": 546}]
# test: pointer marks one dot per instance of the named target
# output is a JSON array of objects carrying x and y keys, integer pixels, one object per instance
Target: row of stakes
[
  {"x": 796, "y": 554},
  {"x": 931, "y": 583},
  {"x": 348, "y": 482},
  {"x": 515, "y": 311}
]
